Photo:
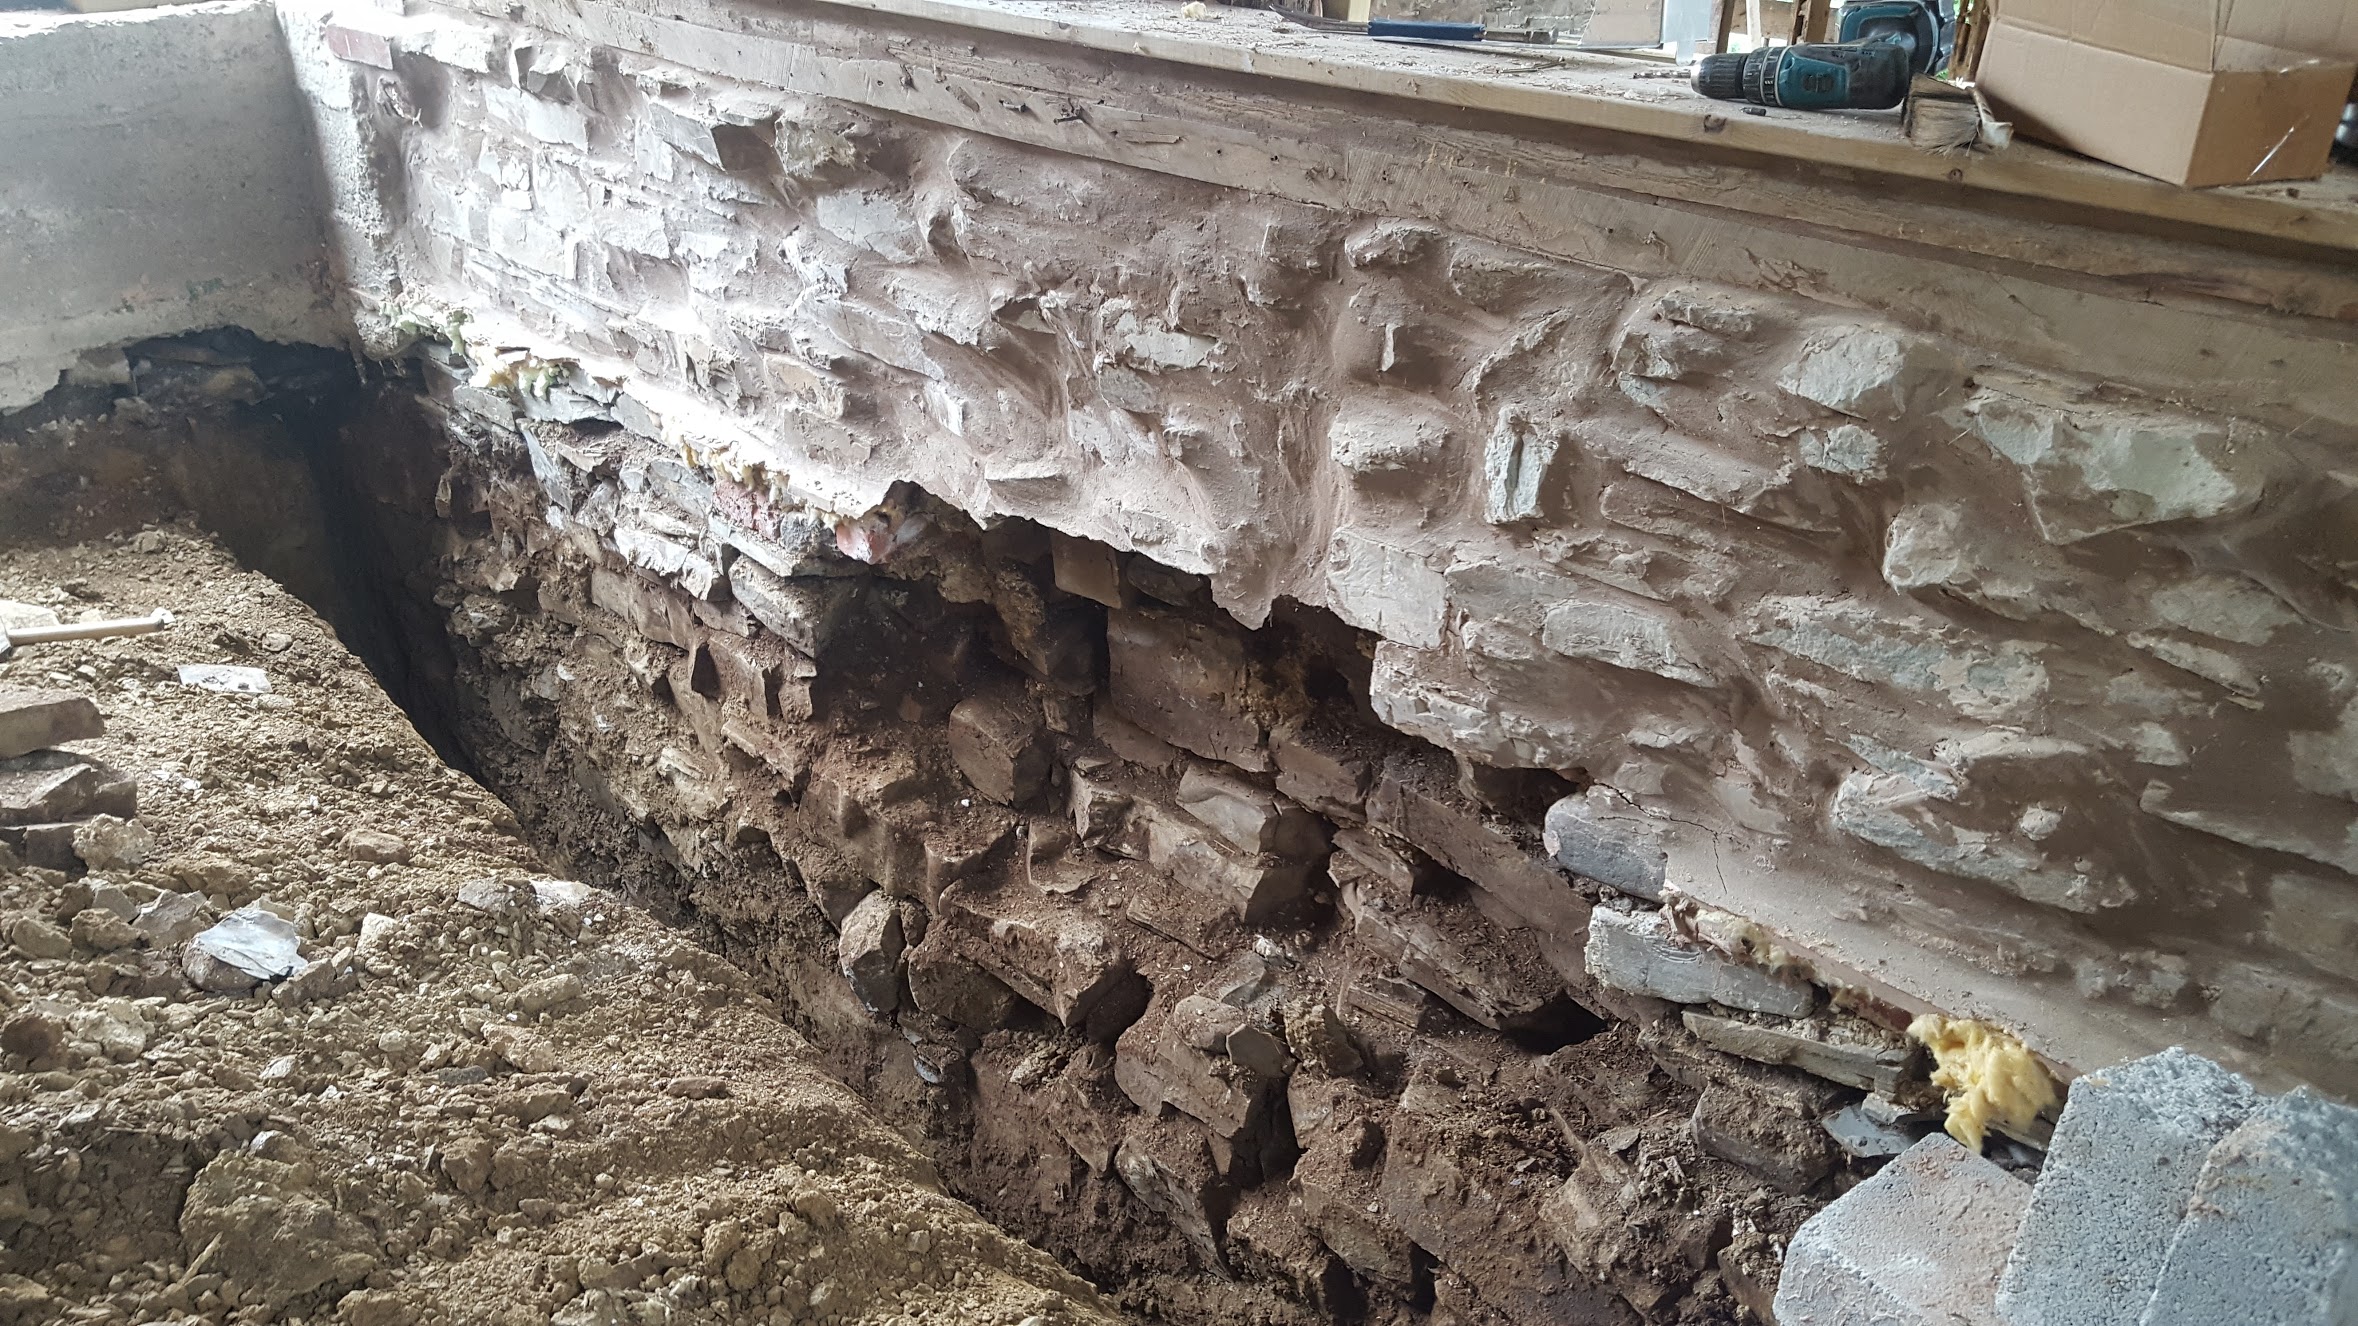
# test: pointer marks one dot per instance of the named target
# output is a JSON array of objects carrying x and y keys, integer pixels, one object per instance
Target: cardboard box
[{"x": 2182, "y": 90}]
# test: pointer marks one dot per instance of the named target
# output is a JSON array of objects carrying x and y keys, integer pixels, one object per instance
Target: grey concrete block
[
  {"x": 2122, "y": 1164},
  {"x": 1639, "y": 953},
  {"x": 1920, "y": 1244},
  {"x": 1593, "y": 845},
  {"x": 2271, "y": 1234}
]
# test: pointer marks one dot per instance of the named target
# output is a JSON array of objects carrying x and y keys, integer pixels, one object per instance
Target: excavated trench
[{"x": 1177, "y": 962}]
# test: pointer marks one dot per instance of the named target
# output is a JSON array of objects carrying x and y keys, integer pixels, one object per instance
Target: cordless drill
[{"x": 1883, "y": 44}]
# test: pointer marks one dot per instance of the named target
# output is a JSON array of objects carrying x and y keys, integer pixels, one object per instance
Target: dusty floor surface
[{"x": 530, "y": 1113}]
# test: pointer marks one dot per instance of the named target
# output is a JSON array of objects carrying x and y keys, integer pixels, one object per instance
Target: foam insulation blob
[{"x": 1988, "y": 1075}]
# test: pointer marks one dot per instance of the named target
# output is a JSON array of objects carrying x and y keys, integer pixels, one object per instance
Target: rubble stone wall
[
  {"x": 156, "y": 177},
  {"x": 1982, "y": 684}
]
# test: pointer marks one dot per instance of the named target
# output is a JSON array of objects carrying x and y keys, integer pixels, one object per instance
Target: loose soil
[{"x": 538, "y": 1112}]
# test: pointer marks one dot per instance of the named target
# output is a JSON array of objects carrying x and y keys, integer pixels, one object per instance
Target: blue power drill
[{"x": 1882, "y": 45}]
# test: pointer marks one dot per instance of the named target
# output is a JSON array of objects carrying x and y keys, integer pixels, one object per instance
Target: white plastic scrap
[
  {"x": 225, "y": 678},
  {"x": 254, "y": 940}
]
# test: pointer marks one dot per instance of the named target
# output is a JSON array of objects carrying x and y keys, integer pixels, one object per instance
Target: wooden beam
[{"x": 1595, "y": 92}]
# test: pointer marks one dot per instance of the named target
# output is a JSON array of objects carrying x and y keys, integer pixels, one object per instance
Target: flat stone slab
[
  {"x": 2271, "y": 1234},
  {"x": 1639, "y": 953},
  {"x": 2119, "y": 1171},
  {"x": 1920, "y": 1244},
  {"x": 1618, "y": 852},
  {"x": 33, "y": 720},
  {"x": 1857, "y": 1056}
]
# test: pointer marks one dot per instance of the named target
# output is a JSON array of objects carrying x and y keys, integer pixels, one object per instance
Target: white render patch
[{"x": 158, "y": 178}]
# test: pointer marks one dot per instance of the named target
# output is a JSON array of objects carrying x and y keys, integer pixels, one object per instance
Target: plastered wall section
[
  {"x": 156, "y": 176},
  {"x": 1982, "y": 685}
]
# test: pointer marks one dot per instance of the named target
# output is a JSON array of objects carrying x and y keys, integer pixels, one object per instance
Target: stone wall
[
  {"x": 1983, "y": 685},
  {"x": 156, "y": 177}
]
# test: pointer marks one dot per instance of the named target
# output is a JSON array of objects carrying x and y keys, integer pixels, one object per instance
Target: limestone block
[
  {"x": 1944, "y": 546},
  {"x": 1642, "y": 637},
  {"x": 1064, "y": 963},
  {"x": 1611, "y": 1233},
  {"x": 1181, "y": 1060},
  {"x": 1381, "y": 587},
  {"x": 1894, "y": 812},
  {"x": 1460, "y": 838},
  {"x": 2123, "y": 1162},
  {"x": 1907, "y": 653},
  {"x": 1251, "y": 819},
  {"x": 1428, "y": 695},
  {"x": 1130, "y": 741},
  {"x": 1864, "y": 1137},
  {"x": 2325, "y": 761},
  {"x": 1846, "y": 449},
  {"x": 834, "y": 892},
  {"x": 31, "y": 720},
  {"x": 1638, "y": 952},
  {"x": 763, "y": 677},
  {"x": 48, "y": 786},
  {"x": 1495, "y": 977},
  {"x": 1868, "y": 373},
  {"x": 1170, "y": 1170},
  {"x": 1595, "y": 837},
  {"x": 945, "y": 984},
  {"x": 2321, "y": 830},
  {"x": 1739, "y": 483},
  {"x": 861, "y": 825},
  {"x": 1082, "y": 1107},
  {"x": 2311, "y": 1026},
  {"x": 1257, "y": 888},
  {"x": 1786, "y": 1149},
  {"x": 1854, "y": 1054},
  {"x": 999, "y": 742},
  {"x": 1318, "y": 768},
  {"x": 2089, "y": 470},
  {"x": 792, "y": 544},
  {"x": 1399, "y": 870},
  {"x": 1518, "y": 463},
  {"x": 1388, "y": 436},
  {"x": 1333, "y": 1201},
  {"x": 2316, "y": 918},
  {"x": 1186, "y": 682},
  {"x": 804, "y": 612},
  {"x": 1479, "y": 1220},
  {"x": 1920, "y": 1244},
  {"x": 2271, "y": 1232},
  {"x": 666, "y": 555},
  {"x": 1055, "y": 641},
  {"x": 1659, "y": 350},
  {"x": 543, "y": 120},
  {"x": 869, "y": 953},
  {"x": 1101, "y": 810},
  {"x": 1090, "y": 569},
  {"x": 658, "y": 612}
]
